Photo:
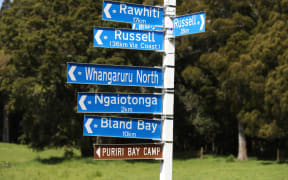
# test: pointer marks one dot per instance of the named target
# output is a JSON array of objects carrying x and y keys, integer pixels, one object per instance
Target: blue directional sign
[
  {"x": 119, "y": 103},
  {"x": 122, "y": 127},
  {"x": 132, "y": 13},
  {"x": 128, "y": 39},
  {"x": 114, "y": 75},
  {"x": 189, "y": 24},
  {"x": 146, "y": 27}
]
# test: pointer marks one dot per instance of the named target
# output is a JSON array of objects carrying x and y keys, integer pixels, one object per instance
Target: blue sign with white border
[
  {"x": 119, "y": 103},
  {"x": 189, "y": 24},
  {"x": 132, "y": 13},
  {"x": 114, "y": 75},
  {"x": 146, "y": 27},
  {"x": 122, "y": 127},
  {"x": 128, "y": 39}
]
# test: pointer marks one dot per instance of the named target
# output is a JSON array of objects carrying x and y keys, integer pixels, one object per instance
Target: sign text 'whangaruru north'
[
  {"x": 128, "y": 151},
  {"x": 114, "y": 75},
  {"x": 119, "y": 103},
  {"x": 128, "y": 39},
  {"x": 132, "y": 13},
  {"x": 122, "y": 127}
]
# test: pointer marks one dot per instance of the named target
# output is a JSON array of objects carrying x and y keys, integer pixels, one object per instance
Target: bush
[{"x": 230, "y": 158}]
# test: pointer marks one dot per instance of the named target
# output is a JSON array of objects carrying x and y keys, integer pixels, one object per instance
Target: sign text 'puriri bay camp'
[
  {"x": 114, "y": 75},
  {"x": 128, "y": 151}
]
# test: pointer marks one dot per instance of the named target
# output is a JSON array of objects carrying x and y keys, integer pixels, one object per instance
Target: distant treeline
[{"x": 231, "y": 82}]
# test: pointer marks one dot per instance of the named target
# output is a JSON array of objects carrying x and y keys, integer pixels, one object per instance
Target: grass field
[{"x": 20, "y": 162}]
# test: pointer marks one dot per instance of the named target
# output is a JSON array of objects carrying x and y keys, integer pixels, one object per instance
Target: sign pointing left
[
  {"x": 87, "y": 125},
  {"x": 81, "y": 102},
  {"x": 71, "y": 73},
  {"x": 128, "y": 151},
  {"x": 106, "y": 10},
  {"x": 119, "y": 103},
  {"x": 98, "y": 152},
  {"x": 128, "y": 39},
  {"x": 132, "y": 13},
  {"x": 114, "y": 75},
  {"x": 122, "y": 127},
  {"x": 97, "y": 37}
]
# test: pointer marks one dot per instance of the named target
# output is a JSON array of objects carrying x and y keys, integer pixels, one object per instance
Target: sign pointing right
[{"x": 189, "y": 24}]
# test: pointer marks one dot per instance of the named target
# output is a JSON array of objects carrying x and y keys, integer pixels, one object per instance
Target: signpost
[
  {"x": 128, "y": 151},
  {"x": 144, "y": 36},
  {"x": 122, "y": 127},
  {"x": 189, "y": 24},
  {"x": 132, "y": 13},
  {"x": 119, "y": 103},
  {"x": 168, "y": 62},
  {"x": 146, "y": 27},
  {"x": 114, "y": 75},
  {"x": 128, "y": 39}
]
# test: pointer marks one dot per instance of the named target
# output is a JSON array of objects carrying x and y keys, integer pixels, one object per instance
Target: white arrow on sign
[
  {"x": 98, "y": 152},
  {"x": 203, "y": 22},
  {"x": 106, "y": 10},
  {"x": 97, "y": 37},
  {"x": 71, "y": 73},
  {"x": 87, "y": 125},
  {"x": 81, "y": 102}
]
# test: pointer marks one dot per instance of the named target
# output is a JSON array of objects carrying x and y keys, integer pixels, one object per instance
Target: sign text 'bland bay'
[{"x": 122, "y": 127}]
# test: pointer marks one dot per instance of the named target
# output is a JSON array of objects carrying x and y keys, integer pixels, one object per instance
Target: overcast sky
[{"x": 1, "y": 3}]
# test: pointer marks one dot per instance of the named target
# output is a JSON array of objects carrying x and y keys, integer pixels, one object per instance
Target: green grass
[{"x": 20, "y": 162}]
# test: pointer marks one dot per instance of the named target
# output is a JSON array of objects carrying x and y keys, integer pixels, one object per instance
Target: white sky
[{"x": 1, "y": 3}]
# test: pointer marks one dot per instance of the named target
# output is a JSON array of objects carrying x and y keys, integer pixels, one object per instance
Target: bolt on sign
[{"x": 128, "y": 151}]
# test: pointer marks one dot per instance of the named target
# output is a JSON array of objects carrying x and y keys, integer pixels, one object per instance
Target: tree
[
  {"x": 5, "y": 5},
  {"x": 42, "y": 36}
]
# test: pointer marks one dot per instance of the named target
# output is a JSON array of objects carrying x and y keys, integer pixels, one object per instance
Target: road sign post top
[{"x": 170, "y": 2}]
